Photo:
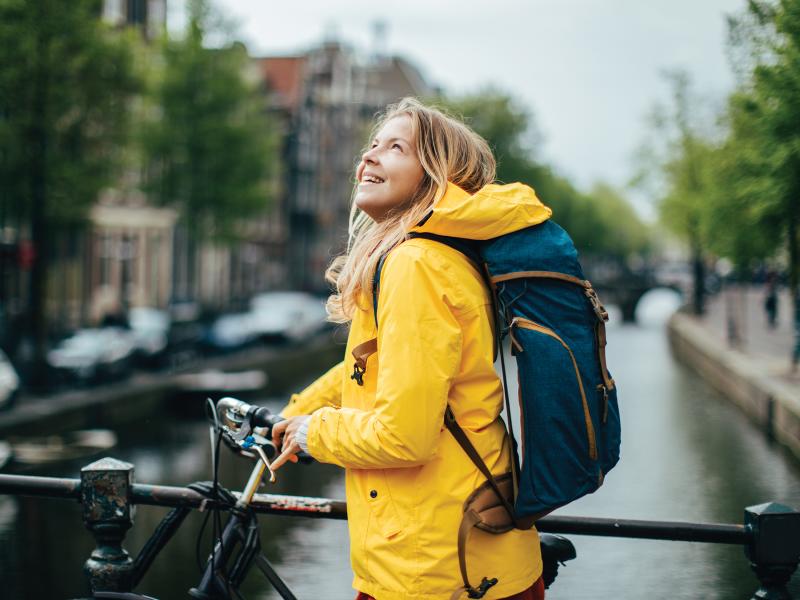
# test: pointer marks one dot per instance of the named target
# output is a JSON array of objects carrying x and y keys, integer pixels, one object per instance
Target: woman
[{"x": 407, "y": 478}]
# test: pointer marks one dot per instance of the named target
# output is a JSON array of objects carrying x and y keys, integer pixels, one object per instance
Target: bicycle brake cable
[
  {"x": 216, "y": 433},
  {"x": 213, "y": 429}
]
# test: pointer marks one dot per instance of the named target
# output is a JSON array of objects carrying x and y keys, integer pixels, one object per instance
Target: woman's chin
[{"x": 368, "y": 205}]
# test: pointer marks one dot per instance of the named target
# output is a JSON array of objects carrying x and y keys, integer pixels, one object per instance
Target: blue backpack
[{"x": 570, "y": 422}]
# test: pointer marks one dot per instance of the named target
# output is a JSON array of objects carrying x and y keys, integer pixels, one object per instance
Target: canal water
[{"x": 687, "y": 455}]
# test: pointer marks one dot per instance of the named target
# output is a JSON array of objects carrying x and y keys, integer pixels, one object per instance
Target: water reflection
[
  {"x": 687, "y": 455},
  {"x": 656, "y": 306}
]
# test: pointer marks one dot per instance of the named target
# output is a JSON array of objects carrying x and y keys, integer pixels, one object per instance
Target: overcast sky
[{"x": 589, "y": 70}]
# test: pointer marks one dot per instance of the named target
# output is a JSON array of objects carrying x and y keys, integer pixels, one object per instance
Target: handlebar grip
[
  {"x": 304, "y": 458},
  {"x": 262, "y": 417}
]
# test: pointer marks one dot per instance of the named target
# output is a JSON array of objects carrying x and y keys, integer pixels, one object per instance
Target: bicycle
[{"x": 247, "y": 430}]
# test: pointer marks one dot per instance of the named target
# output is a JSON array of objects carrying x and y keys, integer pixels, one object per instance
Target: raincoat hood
[{"x": 493, "y": 211}]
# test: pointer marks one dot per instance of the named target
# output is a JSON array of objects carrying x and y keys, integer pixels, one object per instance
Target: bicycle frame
[
  {"x": 214, "y": 584},
  {"x": 238, "y": 547}
]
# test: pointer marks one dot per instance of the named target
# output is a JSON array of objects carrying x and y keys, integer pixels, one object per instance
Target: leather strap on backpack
[
  {"x": 482, "y": 510},
  {"x": 463, "y": 441},
  {"x": 590, "y": 293},
  {"x": 543, "y": 274},
  {"x": 364, "y": 350},
  {"x": 495, "y": 516},
  {"x": 361, "y": 353}
]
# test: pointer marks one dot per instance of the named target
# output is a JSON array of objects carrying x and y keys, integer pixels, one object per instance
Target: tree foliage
[
  {"x": 601, "y": 222},
  {"x": 739, "y": 196},
  {"x": 65, "y": 82},
  {"x": 735, "y": 225},
  {"x": 211, "y": 150},
  {"x": 677, "y": 164},
  {"x": 762, "y": 153}
]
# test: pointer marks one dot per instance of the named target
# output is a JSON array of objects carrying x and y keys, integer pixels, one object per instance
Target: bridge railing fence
[{"x": 769, "y": 534}]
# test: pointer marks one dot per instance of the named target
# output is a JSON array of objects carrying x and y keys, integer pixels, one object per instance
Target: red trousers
[{"x": 535, "y": 592}]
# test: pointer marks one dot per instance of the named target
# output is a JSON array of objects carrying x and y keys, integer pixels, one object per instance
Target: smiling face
[{"x": 390, "y": 172}]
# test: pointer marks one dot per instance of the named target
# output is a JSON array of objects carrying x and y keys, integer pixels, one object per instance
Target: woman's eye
[{"x": 397, "y": 146}]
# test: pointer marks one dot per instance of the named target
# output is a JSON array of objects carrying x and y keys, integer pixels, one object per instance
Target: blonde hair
[{"x": 448, "y": 150}]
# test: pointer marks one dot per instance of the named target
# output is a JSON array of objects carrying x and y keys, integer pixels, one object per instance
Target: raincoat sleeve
[
  {"x": 419, "y": 353},
  {"x": 325, "y": 391}
]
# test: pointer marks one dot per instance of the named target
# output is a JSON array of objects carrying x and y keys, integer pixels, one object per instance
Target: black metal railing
[{"x": 770, "y": 533}]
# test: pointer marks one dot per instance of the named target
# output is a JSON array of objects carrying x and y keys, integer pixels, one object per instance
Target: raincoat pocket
[{"x": 384, "y": 518}]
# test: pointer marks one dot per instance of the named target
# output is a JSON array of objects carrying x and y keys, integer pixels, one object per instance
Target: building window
[
  {"x": 137, "y": 12},
  {"x": 113, "y": 12}
]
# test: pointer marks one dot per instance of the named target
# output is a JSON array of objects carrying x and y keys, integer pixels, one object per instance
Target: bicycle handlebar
[{"x": 235, "y": 412}]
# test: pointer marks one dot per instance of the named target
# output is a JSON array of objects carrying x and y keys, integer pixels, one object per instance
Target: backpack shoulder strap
[
  {"x": 376, "y": 284},
  {"x": 467, "y": 247},
  {"x": 470, "y": 249},
  {"x": 475, "y": 457}
]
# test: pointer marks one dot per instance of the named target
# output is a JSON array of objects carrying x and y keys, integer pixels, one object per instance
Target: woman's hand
[{"x": 283, "y": 434}]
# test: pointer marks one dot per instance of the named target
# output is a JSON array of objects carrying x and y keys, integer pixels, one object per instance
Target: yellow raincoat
[{"x": 407, "y": 478}]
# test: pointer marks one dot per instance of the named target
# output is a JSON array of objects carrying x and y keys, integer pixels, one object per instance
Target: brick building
[{"x": 328, "y": 98}]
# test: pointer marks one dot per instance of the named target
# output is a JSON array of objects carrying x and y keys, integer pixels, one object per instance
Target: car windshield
[
  {"x": 280, "y": 300},
  {"x": 89, "y": 339},
  {"x": 148, "y": 318}
]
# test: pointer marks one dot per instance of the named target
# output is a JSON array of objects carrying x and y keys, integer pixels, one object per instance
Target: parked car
[
  {"x": 93, "y": 355},
  {"x": 150, "y": 330},
  {"x": 186, "y": 335},
  {"x": 287, "y": 316},
  {"x": 9, "y": 382},
  {"x": 231, "y": 332}
]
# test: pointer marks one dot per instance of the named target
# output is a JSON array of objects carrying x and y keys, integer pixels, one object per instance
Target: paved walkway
[{"x": 743, "y": 306}]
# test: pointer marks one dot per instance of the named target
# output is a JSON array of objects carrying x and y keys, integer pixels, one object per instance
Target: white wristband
[{"x": 301, "y": 436}]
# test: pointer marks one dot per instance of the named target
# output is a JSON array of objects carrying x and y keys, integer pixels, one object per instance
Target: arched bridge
[{"x": 624, "y": 288}]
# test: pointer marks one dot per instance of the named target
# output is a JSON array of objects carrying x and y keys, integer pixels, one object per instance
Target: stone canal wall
[
  {"x": 144, "y": 394},
  {"x": 770, "y": 400}
]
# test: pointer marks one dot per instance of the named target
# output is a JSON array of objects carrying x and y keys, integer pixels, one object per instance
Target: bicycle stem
[{"x": 252, "y": 484}]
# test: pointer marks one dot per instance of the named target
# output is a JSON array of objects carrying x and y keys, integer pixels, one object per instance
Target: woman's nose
[{"x": 370, "y": 156}]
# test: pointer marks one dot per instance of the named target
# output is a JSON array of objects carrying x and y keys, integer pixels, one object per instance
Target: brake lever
[
  {"x": 255, "y": 442},
  {"x": 265, "y": 460}
]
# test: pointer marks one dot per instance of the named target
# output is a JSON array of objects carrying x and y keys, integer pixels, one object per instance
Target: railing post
[
  {"x": 108, "y": 514},
  {"x": 775, "y": 547}
]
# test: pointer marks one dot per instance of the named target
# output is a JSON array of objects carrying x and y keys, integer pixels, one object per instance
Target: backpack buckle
[
  {"x": 598, "y": 307},
  {"x": 604, "y": 391},
  {"x": 358, "y": 374},
  {"x": 481, "y": 590}
]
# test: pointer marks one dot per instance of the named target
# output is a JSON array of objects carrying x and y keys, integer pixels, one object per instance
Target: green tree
[
  {"x": 65, "y": 80},
  {"x": 764, "y": 143},
  {"x": 681, "y": 164},
  {"x": 739, "y": 224},
  {"x": 210, "y": 150},
  {"x": 625, "y": 232},
  {"x": 601, "y": 223},
  {"x": 507, "y": 126}
]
